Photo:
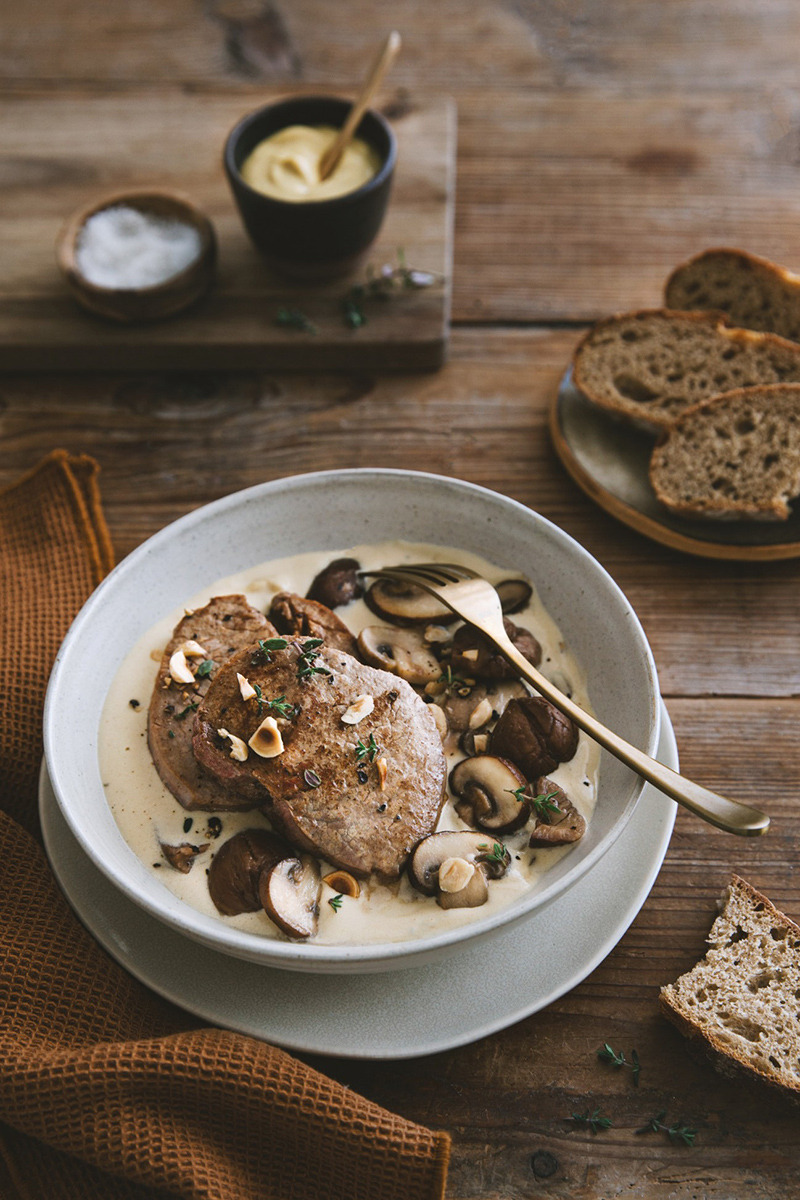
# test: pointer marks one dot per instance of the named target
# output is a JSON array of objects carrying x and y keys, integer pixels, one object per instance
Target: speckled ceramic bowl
[{"x": 312, "y": 512}]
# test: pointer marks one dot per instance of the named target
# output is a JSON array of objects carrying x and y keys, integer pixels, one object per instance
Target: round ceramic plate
[
  {"x": 609, "y": 461},
  {"x": 415, "y": 1011}
]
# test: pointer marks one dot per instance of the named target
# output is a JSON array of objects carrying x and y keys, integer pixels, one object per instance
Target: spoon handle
[
  {"x": 717, "y": 810},
  {"x": 379, "y": 68}
]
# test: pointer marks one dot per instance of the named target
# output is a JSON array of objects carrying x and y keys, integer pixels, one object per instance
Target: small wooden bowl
[{"x": 130, "y": 305}]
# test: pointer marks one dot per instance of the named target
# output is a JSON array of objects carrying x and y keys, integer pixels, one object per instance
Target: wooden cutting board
[{"x": 60, "y": 154}]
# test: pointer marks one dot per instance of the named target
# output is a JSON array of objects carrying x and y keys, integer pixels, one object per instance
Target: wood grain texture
[
  {"x": 174, "y": 141},
  {"x": 599, "y": 144}
]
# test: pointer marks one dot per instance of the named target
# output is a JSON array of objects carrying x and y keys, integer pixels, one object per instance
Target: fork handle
[{"x": 717, "y": 810}]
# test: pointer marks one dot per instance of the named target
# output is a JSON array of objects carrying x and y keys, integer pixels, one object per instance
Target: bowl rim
[
  {"x": 371, "y": 185},
  {"x": 310, "y": 956},
  {"x": 67, "y": 241}
]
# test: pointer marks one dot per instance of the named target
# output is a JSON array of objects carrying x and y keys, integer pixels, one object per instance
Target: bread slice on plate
[
  {"x": 650, "y": 366},
  {"x": 736, "y": 456},
  {"x": 740, "y": 1003},
  {"x": 753, "y": 292}
]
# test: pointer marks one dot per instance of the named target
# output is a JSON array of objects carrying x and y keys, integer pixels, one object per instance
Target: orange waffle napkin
[{"x": 106, "y": 1091}]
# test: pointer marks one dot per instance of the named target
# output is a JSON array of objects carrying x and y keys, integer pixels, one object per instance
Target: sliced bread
[
  {"x": 734, "y": 456},
  {"x": 650, "y": 366},
  {"x": 753, "y": 292},
  {"x": 740, "y": 1002}
]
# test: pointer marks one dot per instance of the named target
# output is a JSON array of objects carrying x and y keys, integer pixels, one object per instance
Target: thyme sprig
[
  {"x": 191, "y": 707},
  {"x": 335, "y": 902},
  {"x": 542, "y": 804},
  {"x": 293, "y": 318},
  {"x": 266, "y": 647},
  {"x": 593, "y": 1120},
  {"x": 609, "y": 1055},
  {"x": 370, "y": 751},
  {"x": 498, "y": 853},
  {"x": 381, "y": 285},
  {"x": 306, "y": 666},
  {"x": 675, "y": 1133}
]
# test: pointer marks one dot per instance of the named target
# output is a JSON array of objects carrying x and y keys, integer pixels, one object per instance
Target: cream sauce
[{"x": 148, "y": 814}]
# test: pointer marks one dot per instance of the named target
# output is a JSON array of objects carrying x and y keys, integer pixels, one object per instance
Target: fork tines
[{"x": 438, "y": 574}]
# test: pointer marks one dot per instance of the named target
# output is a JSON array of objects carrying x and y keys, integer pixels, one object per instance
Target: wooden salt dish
[{"x": 130, "y": 305}]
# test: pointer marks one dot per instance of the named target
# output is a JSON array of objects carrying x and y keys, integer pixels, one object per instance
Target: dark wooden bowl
[{"x": 131, "y": 305}]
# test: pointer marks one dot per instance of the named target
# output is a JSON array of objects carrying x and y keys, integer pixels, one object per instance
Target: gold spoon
[{"x": 381, "y": 65}]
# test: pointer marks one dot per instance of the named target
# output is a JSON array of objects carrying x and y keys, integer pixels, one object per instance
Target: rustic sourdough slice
[
  {"x": 650, "y": 366},
  {"x": 732, "y": 457},
  {"x": 753, "y": 292},
  {"x": 740, "y": 1002}
]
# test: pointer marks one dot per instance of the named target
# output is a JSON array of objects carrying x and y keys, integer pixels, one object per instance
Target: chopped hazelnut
[
  {"x": 455, "y": 874},
  {"x": 359, "y": 709},
  {"x": 267, "y": 741},
  {"x": 245, "y": 687},
  {"x": 239, "y": 750},
  {"x": 179, "y": 668},
  {"x": 383, "y": 771}
]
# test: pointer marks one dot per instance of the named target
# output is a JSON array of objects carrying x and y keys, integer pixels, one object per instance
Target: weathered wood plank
[
  {"x": 169, "y": 444},
  {"x": 569, "y": 205}
]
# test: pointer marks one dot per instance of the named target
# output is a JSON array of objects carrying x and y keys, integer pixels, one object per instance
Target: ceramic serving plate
[
  {"x": 609, "y": 461},
  {"x": 332, "y": 510}
]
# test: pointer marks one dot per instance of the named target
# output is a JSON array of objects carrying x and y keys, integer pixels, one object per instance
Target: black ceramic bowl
[{"x": 316, "y": 238}]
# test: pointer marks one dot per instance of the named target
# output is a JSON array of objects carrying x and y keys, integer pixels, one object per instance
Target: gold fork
[{"x": 476, "y": 601}]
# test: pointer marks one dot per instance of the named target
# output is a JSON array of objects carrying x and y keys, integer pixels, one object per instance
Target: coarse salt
[{"x": 121, "y": 247}]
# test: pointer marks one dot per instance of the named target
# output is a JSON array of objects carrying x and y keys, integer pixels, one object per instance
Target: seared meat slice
[
  {"x": 297, "y": 616},
  {"x": 223, "y": 627},
  {"x": 360, "y": 795}
]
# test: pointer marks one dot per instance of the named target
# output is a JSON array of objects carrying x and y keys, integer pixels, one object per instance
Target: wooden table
[{"x": 596, "y": 150}]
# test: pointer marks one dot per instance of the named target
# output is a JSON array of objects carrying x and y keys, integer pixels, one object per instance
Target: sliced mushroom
[
  {"x": 337, "y": 584},
  {"x": 343, "y": 882},
  {"x": 460, "y": 710},
  {"x": 404, "y": 604},
  {"x": 182, "y": 857},
  {"x": 299, "y": 617},
  {"x": 487, "y": 789},
  {"x": 534, "y": 735},
  {"x": 555, "y": 828},
  {"x": 489, "y": 858},
  {"x": 401, "y": 651},
  {"x": 474, "y": 655},
  {"x": 235, "y": 869},
  {"x": 514, "y": 594},
  {"x": 289, "y": 892}
]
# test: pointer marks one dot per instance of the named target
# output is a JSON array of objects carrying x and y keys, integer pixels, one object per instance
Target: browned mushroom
[
  {"x": 473, "y": 655},
  {"x": 558, "y": 822},
  {"x": 534, "y": 735},
  {"x": 514, "y": 594},
  {"x": 401, "y": 651},
  {"x": 404, "y": 604},
  {"x": 446, "y": 864},
  {"x": 300, "y": 617},
  {"x": 182, "y": 857},
  {"x": 337, "y": 584},
  {"x": 489, "y": 792},
  {"x": 289, "y": 892},
  {"x": 235, "y": 869}
]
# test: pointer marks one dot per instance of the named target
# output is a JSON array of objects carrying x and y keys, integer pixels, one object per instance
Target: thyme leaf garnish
[
  {"x": 675, "y": 1133},
  {"x": 335, "y": 903},
  {"x": 205, "y": 669},
  {"x": 305, "y": 664},
  {"x": 542, "y": 804},
  {"x": 265, "y": 648},
  {"x": 312, "y": 778},
  {"x": 607, "y": 1054},
  {"x": 592, "y": 1120},
  {"x": 498, "y": 851},
  {"x": 293, "y": 318},
  {"x": 191, "y": 707},
  {"x": 370, "y": 751}
]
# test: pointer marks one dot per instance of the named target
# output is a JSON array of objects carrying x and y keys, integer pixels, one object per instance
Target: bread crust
[
  {"x": 774, "y": 274},
  {"x": 724, "y": 1057},
  {"x": 637, "y": 413}
]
